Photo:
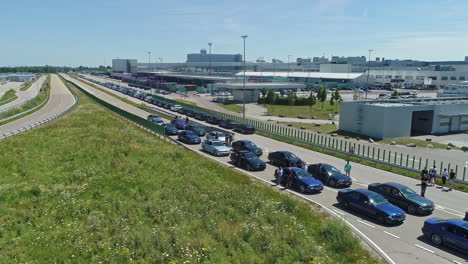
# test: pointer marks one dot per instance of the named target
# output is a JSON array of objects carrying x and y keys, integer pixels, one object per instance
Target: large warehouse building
[{"x": 404, "y": 118}]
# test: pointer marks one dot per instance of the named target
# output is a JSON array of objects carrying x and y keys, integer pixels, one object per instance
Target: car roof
[
  {"x": 285, "y": 152},
  {"x": 459, "y": 222},
  {"x": 366, "y": 192},
  {"x": 396, "y": 185},
  {"x": 214, "y": 140}
]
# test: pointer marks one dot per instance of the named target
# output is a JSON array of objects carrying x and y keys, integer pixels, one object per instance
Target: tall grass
[
  {"x": 91, "y": 188},
  {"x": 7, "y": 95}
]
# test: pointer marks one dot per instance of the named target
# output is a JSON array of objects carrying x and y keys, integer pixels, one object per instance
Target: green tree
[
  {"x": 291, "y": 100},
  {"x": 395, "y": 94},
  {"x": 271, "y": 97},
  {"x": 264, "y": 92},
  {"x": 312, "y": 101},
  {"x": 322, "y": 94},
  {"x": 337, "y": 96}
]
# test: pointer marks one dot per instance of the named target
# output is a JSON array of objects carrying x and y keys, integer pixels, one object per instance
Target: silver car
[{"x": 215, "y": 147}]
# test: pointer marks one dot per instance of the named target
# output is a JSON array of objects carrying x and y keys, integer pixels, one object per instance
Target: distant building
[
  {"x": 21, "y": 77},
  {"x": 203, "y": 56},
  {"x": 124, "y": 66},
  {"x": 455, "y": 90},
  {"x": 404, "y": 118},
  {"x": 320, "y": 60}
]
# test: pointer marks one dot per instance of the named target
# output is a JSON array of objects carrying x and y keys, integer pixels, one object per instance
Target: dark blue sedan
[
  {"x": 452, "y": 233},
  {"x": 301, "y": 180},
  {"x": 189, "y": 137},
  {"x": 170, "y": 130},
  {"x": 372, "y": 204},
  {"x": 179, "y": 123}
]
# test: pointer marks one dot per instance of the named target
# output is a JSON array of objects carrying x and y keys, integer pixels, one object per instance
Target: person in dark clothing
[
  {"x": 452, "y": 177},
  {"x": 424, "y": 181},
  {"x": 424, "y": 171},
  {"x": 186, "y": 120},
  {"x": 466, "y": 216},
  {"x": 289, "y": 180}
]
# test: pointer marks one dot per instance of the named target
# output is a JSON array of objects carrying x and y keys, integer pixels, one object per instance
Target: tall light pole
[
  {"x": 243, "y": 91},
  {"x": 261, "y": 68},
  {"x": 209, "y": 44},
  {"x": 288, "y": 64},
  {"x": 368, "y": 68},
  {"x": 149, "y": 68}
]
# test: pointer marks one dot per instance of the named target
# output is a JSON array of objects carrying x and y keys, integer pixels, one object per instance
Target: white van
[{"x": 175, "y": 108}]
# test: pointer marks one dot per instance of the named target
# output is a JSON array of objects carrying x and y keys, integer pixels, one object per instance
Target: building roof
[
  {"x": 267, "y": 85},
  {"x": 190, "y": 76},
  {"x": 314, "y": 75}
]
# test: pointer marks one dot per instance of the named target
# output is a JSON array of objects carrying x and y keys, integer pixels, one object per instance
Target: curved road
[
  {"x": 60, "y": 100},
  {"x": 24, "y": 96},
  {"x": 399, "y": 244}
]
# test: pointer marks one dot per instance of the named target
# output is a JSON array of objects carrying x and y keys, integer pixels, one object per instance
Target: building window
[
  {"x": 444, "y": 78},
  {"x": 434, "y": 78},
  {"x": 408, "y": 77},
  {"x": 421, "y": 78},
  {"x": 388, "y": 76},
  {"x": 462, "y": 78},
  {"x": 378, "y": 76},
  {"x": 397, "y": 76},
  {"x": 453, "y": 78}
]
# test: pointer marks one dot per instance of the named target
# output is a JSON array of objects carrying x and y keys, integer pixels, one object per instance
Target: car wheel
[
  {"x": 332, "y": 183},
  {"x": 411, "y": 209},
  {"x": 381, "y": 219},
  {"x": 436, "y": 239},
  {"x": 302, "y": 189}
]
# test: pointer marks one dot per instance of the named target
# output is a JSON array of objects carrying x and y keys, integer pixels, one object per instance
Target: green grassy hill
[{"x": 91, "y": 188}]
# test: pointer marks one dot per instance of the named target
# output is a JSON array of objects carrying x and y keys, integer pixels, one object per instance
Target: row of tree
[
  {"x": 271, "y": 98},
  {"x": 51, "y": 69}
]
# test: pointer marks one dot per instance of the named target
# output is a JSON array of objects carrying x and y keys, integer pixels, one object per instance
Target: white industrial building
[
  {"x": 21, "y": 77},
  {"x": 125, "y": 65},
  {"x": 251, "y": 91},
  {"x": 383, "y": 119}
]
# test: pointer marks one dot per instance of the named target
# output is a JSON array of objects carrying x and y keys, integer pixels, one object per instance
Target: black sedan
[
  {"x": 246, "y": 145},
  {"x": 244, "y": 128},
  {"x": 170, "y": 130},
  {"x": 202, "y": 116},
  {"x": 191, "y": 112},
  {"x": 199, "y": 130},
  {"x": 215, "y": 120},
  {"x": 229, "y": 124},
  {"x": 403, "y": 197},
  {"x": 284, "y": 159},
  {"x": 329, "y": 175},
  {"x": 247, "y": 160},
  {"x": 189, "y": 137}
]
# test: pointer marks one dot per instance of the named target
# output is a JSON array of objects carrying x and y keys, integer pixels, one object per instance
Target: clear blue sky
[{"x": 84, "y": 32}]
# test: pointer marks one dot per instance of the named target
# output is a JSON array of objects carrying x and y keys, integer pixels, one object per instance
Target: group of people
[
  {"x": 279, "y": 174},
  {"x": 428, "y": 178}
]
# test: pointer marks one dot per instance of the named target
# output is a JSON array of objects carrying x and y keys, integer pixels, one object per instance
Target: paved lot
[
  {"x": 458, "y": 140},
  {"x": 8, "y": 86},
  {"x": 401, "y": 244},
  {"x": 24, "y": 96},
  {"x": 60, "y": 100}
]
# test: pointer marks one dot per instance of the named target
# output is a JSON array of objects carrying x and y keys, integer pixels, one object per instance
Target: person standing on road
[
  {"x": 279, "y": 175},
  {"x": 452, "y": 177},
  {"x": 186, "y": 120},
  {"x": 424, "y": 181},
  {"x": 347, "y": 169},
  {"x": 290, "y": 178},
  {"x": 445, "y": 175},
  {"x": 424, "y": 171},
  {"x": 432, "y": 175},
  {"x": 306, "y": 168}
]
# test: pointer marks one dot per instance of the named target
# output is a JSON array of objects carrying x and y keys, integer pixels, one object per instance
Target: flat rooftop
[
  {"x": 418, "y": 101},
  {"x": 312, "y": 75},
  {"x": 191, "y": 76},
  {"x": 255, "y": 86}
]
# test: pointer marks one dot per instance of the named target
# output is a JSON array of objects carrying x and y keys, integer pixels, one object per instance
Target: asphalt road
[
  {"x": 396, "y": 153},
  {"x": 399, "y": 244},
  {"x": 24, "y": 96},
  {"x": 60, "y": 100}
]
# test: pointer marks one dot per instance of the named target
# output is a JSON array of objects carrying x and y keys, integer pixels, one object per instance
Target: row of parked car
[{"x": 386, "y": 202}]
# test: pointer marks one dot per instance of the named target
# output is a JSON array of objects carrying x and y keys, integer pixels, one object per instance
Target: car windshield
[
  {"x": 248, "y": 126},
  {"x": 250, "y": 144},
  {"x": 189, "y": 133},
  {"x": 250, "y": 156},
  {"x": 170, "y": 126},
  {"x": 378, "y": 200},
  {"x": 218, "y": 144},
  {"x": 291, "y": 156},
  {"x": 408, "y": 192},
  {"x": 332, "y": 170},
  {"x": 221, "y": 134},
  {"x": 302, "y": 174},
  {"x": 180, "y": 121}
]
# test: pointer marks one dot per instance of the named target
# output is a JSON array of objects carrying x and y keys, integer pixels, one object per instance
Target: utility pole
[
  {"x": 261, "y": 68},
  {"x": 149, "y": 69},
  {"x": 243, "y": 91},
  {"x": 209, "y": 44},
  {"x": 368, "y": 68}
]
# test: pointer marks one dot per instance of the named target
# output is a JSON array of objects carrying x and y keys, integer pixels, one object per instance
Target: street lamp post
[
  {"x": 288, "y": 64},
  {"x": 209, "y": 44},
  {"x": 149, "y": 68},
  {"x": 261, "y": 68},
  {"x": 368, "y": 68},
  {"x": 243, "y": 91}
]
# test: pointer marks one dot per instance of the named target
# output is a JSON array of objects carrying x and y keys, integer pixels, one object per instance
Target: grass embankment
[
  {"x": 26, "y": 85},
  {"x": 41, "y": 96},
  {"x": 305, "y": 111},
  {"x": 419, "y": 143},
  {"x": 89, "y": 188},
  {"x": 460, "y": 187},
  {"x": 231, "y": 107},
  {"x": 7, "y": 95}
]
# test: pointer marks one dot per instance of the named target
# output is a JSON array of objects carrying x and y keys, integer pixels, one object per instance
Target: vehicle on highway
[
  {"x": 190, "y": 112},
  {"x": 403, "y": 197},
  {"x": 188, "y": 137},
  {"x": 244, "y": 128},
  {"x": 170, "y": 130},
  {"x": 202, "y": 116},
  {"x": 216, "y": 135},
  {"x": 247, "y": 160},
  {"x": 154, "y": 118},
  {"x": 229, "y": 124},
  {"x": 372, "y": 204},
  {"x": 246, "y": 145},
  {"x": 329, "y": 175},
  {"x": 284, "y": 159},
  {"x": 300, "y": 180},
  {"x": 168, "y": 105},
  {"x": 451, "y": 232},
  {"x": 215, "y": 147},
  {"x": 175, "y": 108},
  {"x": 199, "y": 130},
  {"x": 179, "y": 123},
  {"x": 215, "y": 120},
  {"x": 183, "y": 110}
]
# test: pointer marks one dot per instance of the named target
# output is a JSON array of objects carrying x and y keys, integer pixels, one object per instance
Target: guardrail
[
  {"x": 342, "y": 146},
  {"x": 25, "y": 112},
  {"x": 41, "y": 122},
  {"x": 7, "y": 100}
]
